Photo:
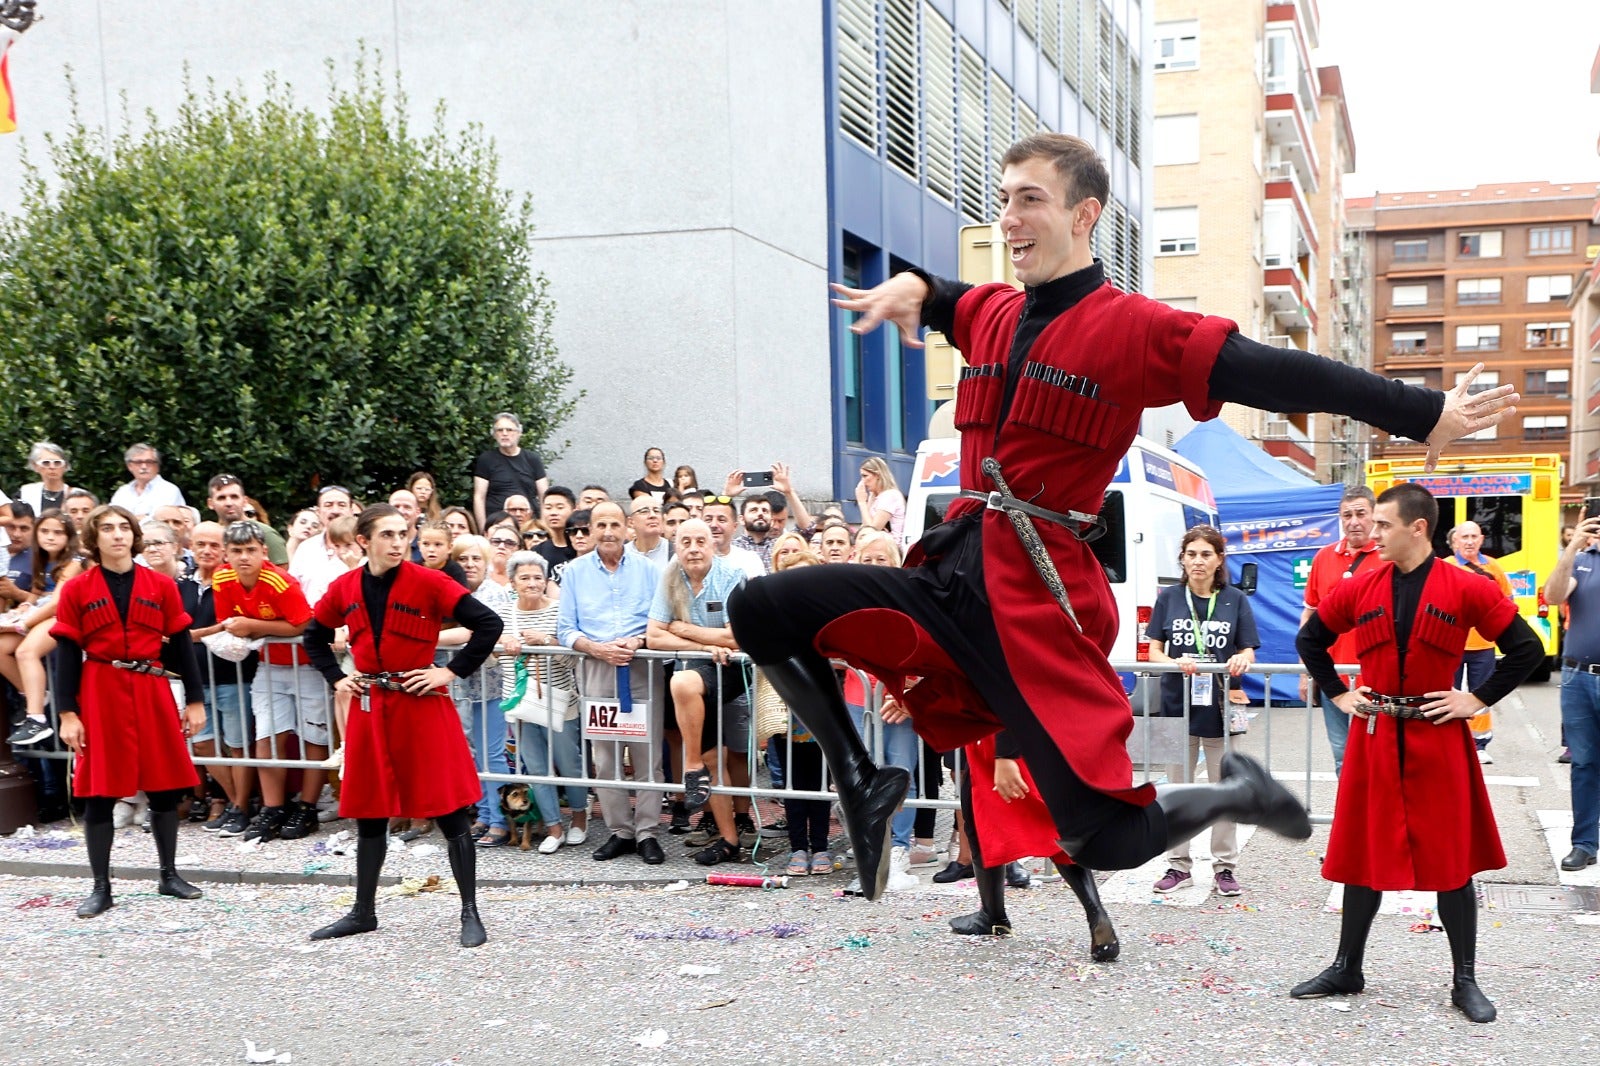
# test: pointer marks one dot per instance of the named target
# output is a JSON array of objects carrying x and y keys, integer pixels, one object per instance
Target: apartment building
[
  {"x": 1462, "y": 276},
  {"x": 1583, "y": 463},
  {"x": 1250, "y": 141}
]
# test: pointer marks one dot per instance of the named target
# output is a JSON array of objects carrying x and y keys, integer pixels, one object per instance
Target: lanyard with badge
[{"x": 1200, "y": 684}]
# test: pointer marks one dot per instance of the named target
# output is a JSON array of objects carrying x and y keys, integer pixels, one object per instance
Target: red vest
[
  {"x": 1454, "y": 602},
  {"x": 419, "y": 602}
]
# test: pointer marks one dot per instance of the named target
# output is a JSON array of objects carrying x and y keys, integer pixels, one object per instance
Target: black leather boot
[
  {"x": 1103, "y": 943},
  {"x": 363, "y": 917},
  {"x": 97, "y": 837},
  {"x": 164, "y": 828},
  {"x": 1344, "y": 977},
  {"x": 990, "y": 919},
  {"x": 1246, "y": 793},
  {"x": 464, "y": 867},
  {"x": 869, "y": 795},
  {"x": 1458, "y": 911}
]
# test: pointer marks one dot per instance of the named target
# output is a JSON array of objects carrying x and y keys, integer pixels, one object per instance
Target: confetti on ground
[{"x": 778, "y": 931}]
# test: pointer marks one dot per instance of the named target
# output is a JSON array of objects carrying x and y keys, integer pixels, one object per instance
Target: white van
[{"x": 1155, "y": 497}]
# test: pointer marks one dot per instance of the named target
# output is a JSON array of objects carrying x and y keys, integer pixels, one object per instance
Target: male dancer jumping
[{"x": 1004, "y": 617}]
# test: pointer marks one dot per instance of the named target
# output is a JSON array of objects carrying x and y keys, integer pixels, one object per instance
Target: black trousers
[{"x": 779, "y": 616}]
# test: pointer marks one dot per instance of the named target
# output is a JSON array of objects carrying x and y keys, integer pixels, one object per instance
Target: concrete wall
[{"x": 674, "y": 152}]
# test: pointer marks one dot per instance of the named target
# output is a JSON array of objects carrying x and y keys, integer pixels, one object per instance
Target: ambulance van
[{"x": 1155, "y": 497}]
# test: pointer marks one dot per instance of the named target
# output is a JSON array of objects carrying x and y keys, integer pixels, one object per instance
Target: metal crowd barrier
[{"x": 1289, "y": 733}]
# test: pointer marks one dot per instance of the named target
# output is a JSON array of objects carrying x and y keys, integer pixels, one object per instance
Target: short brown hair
[
  {"x": 1412, "y": 501},
  {"x": 91, "y": 529},
  {"x": 1075, "y": 160},
  {"x": 1210, "y": 535}
]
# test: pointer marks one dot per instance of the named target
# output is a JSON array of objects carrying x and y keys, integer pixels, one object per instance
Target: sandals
[
  {"x": 822, "y": 863},
  {"x": 800, "y": 864},
  {"x": 498, "y": 837},
  {"x": 420, "y": 827},
  {"x": 478, "y": 829},
  {"x": 719, "y": 851},
  {"x": 696, "y": 789}
]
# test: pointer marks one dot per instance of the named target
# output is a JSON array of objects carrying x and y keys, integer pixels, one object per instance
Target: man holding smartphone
[{"x": 1575, "y": 581}]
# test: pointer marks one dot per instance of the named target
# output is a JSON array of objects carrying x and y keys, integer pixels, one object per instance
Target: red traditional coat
[
  {"x": 1011, "y": 831},
  {"x": 132, "y": 738},
  {"x": 1058, "y": 449},
  {"x": 1430, "y": 827},
  {"x": 405, "y": 756}
]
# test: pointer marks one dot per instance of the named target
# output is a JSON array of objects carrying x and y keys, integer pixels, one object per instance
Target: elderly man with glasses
[
  {"x": 148, "y": 490},
  {"x": 644, "y": 518}
]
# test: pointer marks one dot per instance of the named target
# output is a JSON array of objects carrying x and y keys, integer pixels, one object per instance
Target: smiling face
[
  {"x": 1047, "y": 236},
  {"x": 529, "y": 582},
  {"x": 333, "y": 503}
]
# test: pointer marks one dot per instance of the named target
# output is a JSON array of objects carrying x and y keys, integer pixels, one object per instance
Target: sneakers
[
  {"x": 925, "y": 855},
  {"x": 1484, "y": 757},
  {"x": 234, "y": 823},
  {"x": 680, "y": 819},
  {"x": 900, "y": 875},
  {"x": 1565, "y": 758},
  {"x": 302, "y": 822},
  {"x": 31, "y": 731},
  {"x": 268, "y": 824},
  {"x": 749, "y": 835},
  {"x": 1226, "y": 883},
  {"x": 215, "y": 824},
  {"x": 704, "y": 832},
  {"x": 1173, "y": 879}
]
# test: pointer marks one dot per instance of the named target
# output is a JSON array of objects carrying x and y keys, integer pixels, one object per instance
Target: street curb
[{"x": 28, "y": 868}]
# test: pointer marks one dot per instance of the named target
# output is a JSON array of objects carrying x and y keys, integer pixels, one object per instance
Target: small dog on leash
[{"x": 522, "y": 814}]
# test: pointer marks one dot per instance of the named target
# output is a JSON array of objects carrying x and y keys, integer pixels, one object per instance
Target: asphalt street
[{"x": 587, "y": 962}]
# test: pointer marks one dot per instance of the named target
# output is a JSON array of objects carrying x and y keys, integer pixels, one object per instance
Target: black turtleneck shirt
[{"x": 1246, "y": 372}]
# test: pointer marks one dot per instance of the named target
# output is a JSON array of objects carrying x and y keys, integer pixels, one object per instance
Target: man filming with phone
[
  {"x": 761, "y": 527},
  {"x": 1575, "y": 581}
]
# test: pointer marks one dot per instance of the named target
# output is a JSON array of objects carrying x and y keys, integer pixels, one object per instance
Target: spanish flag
[{"x": 8, "y": 109}]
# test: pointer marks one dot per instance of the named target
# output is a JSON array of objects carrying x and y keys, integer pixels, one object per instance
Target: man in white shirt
[
  {"x": 719, "y": 515},
  {"x": 148, "y": 490},
  {"x": 333, "y": 501}
]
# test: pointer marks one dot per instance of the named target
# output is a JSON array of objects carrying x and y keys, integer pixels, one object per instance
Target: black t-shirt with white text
[{"x": 1226, "y": 629}]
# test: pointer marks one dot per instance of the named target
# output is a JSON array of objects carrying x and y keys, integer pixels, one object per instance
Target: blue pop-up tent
[{"x": 1275, "y": 518}]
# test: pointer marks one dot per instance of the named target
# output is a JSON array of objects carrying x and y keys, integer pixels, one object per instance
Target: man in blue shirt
[
  {"x": 689, "y": 613},
  {"x": 605, "y": 603},
  {"x": 1575, "y": 581}
]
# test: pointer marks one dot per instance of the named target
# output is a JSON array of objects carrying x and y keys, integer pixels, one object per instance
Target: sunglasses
[
  {"x": 502, "y": 542},
  {"x": 716, "y": 499},
  {"x": 324, "y": 490},
  {"x": 578, "y": 531},
  {"x": 51, "y": 462},
  {"x": 532, "y": 535},
  {"x": 141, "y": 462}
]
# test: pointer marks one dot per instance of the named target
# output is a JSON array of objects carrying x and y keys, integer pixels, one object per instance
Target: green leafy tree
[{"x": 295, "y": 298}]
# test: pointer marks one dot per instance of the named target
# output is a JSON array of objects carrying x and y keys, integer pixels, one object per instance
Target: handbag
[
  {"x": 533, "y": 707},
  {"x": 772, "y": 714}
]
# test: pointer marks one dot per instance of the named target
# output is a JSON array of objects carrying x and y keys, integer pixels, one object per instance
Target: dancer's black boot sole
[
  {"x": 97, "y": 837},
  {"x": 464, "y": 867}
]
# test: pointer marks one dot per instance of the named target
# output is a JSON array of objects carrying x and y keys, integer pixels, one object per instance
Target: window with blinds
[
  {"x": 939, "y": 104},
  {"x": 902, "y": 87},
  {"x": 1071, "y": 46},
  {"x": 1050, "y": 30},
  {"x": 857, "y": 46},
  {"x": 1002, "y": 121},
  {"x": 1028, "y": 18},
  {"x": 1027, "y": 121},
  {"x": 1124, "y": 119},
  {"x": 1105, "y": 66},
  {"x": 974, "y": 171}
]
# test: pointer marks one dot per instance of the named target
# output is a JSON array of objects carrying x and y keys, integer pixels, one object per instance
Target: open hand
[
  {"x": 1465, "y": 414},
  {"x": 898, "y": 300}
]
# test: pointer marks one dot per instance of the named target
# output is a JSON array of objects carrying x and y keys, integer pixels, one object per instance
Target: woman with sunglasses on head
[
  {"x": 49, "y": 461},
  {"x": 459, "y": 521}
]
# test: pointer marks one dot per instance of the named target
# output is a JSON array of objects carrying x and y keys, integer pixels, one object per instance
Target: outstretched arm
[{"x": 1285, "y": 379}]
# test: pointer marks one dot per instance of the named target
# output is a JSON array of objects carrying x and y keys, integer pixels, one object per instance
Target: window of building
[
  {"x": 1183, "y": 303},
  {"x": 1412, "y": 379},
  {"x": 1544, "y": 427},
  {"x": 1553, "y": 382},
  {"x": 1177, "y": 46},
  {"x": 1478, "y": 291},
  {"x": 1177, "y": 139},
  {"x": 902, "y": 88},
  {"x": 1480, "y": 244},
  {"x": 1478, "y": 338},
  {"x": 1550, "y": 240},
  {"x": 1409, "y": 341},
  {"x": 1410, "y": 296},
  {"x": 1177, "y": 230},
  {"x": 1486, "y": 433},
  {"x": 1413, "y": 250},
  {"x": 1486, "y": 380},
  {"x": 854, "y": 370},
  {"x": 972, "y": 126},
  {"x": 1548, "y": 335},
  {"x": 857, "y": 51},
  {"x": 1283, "y": 63},
  {"x": 1549, "y": 288}
]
